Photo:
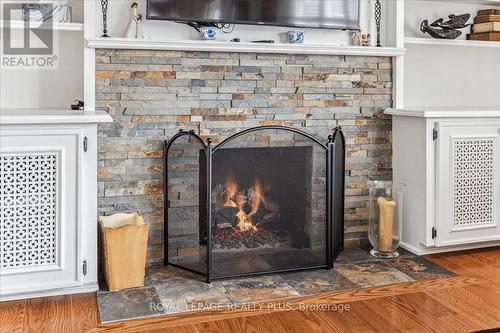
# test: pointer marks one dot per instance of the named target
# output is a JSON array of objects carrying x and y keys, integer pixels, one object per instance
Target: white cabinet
[
  {"x": 467, "y": 175},
  {"x": 450, "y": 160},
  {"x": 47, "y": 203}
]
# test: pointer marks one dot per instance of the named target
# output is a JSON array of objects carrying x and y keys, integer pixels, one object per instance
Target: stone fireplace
[
  {"x": 151, "y": 95},
  {"x": 267, "y": 199}
]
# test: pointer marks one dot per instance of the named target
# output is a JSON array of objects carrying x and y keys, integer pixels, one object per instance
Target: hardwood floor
[{"x": 465, "y": 303}]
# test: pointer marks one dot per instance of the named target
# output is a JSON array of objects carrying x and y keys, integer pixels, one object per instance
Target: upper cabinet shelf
[
  {"x": 449, "y": 42},
  {"x": 55, "y": 26}
]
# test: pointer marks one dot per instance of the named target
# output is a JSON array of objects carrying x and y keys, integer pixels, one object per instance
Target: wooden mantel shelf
[{"x": 224, "y": 46}]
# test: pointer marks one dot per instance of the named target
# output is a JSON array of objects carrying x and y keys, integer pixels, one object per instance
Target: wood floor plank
[
  {"x": 246, "y": 324},
  {"x": 297, "y": 321},
  {"x": 482, "y": 263},
  {"x": 178, "y": 329},
  {"x": 346, "y": 323},
  {"x": 477, "y": 270},
  {"x": 11, "y": 316},
  {"x": 415, "y": 307},
  {"x": 377, "y": 321},
  {"x": 358, "y": 319},
  {"x": 466, "y": 317},
  {"x": 397, "y": 314},
  {"x": 48, "y": 314},
  {"x": 85, "y": 312},
  {"x": 489, "y": 294},
  {"x": 444, "y": 261}
]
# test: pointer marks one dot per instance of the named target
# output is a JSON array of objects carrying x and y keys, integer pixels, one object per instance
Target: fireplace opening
[
  {"x": 261, "y": 208},
  {"x": 264, "y": 200}
]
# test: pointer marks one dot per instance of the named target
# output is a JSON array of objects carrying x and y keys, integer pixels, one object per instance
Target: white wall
[
  {"x": 47, "y": 88},
  {"x": 452, "y": 76}
]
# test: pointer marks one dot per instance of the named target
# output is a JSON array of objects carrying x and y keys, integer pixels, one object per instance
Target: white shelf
[
  {"x": 55, "y": 26},
  {"x": 52, "y": 116},
  {"x": 450, "y": 42},
  {"x": 445, "y": 112},
  {"x": 223, "y": 46}
]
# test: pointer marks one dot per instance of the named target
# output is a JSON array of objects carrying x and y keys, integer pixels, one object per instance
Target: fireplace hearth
[{"x": 265, "y": 200}]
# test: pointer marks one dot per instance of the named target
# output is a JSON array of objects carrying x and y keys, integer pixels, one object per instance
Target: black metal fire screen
[{"x": 265, "y": 200}]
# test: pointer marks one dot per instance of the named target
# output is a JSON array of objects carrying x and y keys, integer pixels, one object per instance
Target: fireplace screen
[{"x": 268, "y": 199}]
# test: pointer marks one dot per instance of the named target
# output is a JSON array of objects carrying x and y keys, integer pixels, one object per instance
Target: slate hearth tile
[
  {"x": 128, "y": 304},
  {"x": 354, "y": 255},
  {"x": 419, "y": 268},
  {"x": 159, "y": 274},
  {"x": 190, "y": 295},
  {"x": 318, "y": 281},
  {"x": 261, "y": 288},
  {"x": 372, "y": 274}
]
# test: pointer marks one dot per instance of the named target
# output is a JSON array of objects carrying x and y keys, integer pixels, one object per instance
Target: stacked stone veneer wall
[{"x": 153, "y": 94}]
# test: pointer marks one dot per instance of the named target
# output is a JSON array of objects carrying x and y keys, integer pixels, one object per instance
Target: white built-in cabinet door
[
  {"x": 467, "y": 182},
  {"x": 39, "y": 227}
]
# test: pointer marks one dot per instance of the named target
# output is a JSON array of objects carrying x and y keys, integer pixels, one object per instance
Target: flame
[
  {"x": 231, "y": 190},
  {"x": 257, "y": 197},
  {"x": 236, "y": 199}
]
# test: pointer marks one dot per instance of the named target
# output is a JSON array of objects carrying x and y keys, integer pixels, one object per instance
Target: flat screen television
[{"x": 333, "y": 14}]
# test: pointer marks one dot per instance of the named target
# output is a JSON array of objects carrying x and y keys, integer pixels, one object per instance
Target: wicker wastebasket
[{"x": 124, "y": 245}]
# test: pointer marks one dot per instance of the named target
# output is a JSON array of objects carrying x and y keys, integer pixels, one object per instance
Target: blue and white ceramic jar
[
  {"x": 296, "y": 37},
  {"x": 208, "y": 33}
]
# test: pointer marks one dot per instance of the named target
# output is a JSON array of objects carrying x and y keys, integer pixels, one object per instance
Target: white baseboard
[
  {"x": 433, "y": 250},
  {"x": 86, "y": 288}
]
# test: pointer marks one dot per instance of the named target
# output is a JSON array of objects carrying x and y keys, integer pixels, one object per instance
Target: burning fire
[
  {"x": 239, "y": 199},
  {"x": 231, "y": 191}
]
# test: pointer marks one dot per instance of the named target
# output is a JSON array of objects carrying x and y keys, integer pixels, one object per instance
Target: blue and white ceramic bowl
[
  {"x": 207, "y": 33},
  {"x": 296, "y": 37}
]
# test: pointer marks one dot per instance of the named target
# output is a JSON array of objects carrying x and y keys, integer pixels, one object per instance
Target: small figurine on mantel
[
  {"x": 360, "y": 39},
  {"x": 366, "y": 40},
  {"x": 134, "y": 27},
  {"x": 356, "y": 38}
]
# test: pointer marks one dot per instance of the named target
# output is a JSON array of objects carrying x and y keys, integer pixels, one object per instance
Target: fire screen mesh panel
[
  {"x": 186, "y": 227},
  {"x": 268, "y": 203},
  {"x": 265, "y": 200}
]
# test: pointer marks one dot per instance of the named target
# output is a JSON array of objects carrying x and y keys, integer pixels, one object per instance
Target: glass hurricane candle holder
[{"x": 385, "y": 217}]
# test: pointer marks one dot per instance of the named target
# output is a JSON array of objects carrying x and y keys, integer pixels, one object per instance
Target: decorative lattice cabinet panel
[
  {"x": 40, "y": 223},
  {"x": 467, "y": 182},
  {"x": 28, "y": 201},
  {"x": 473, "y": 181}
]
